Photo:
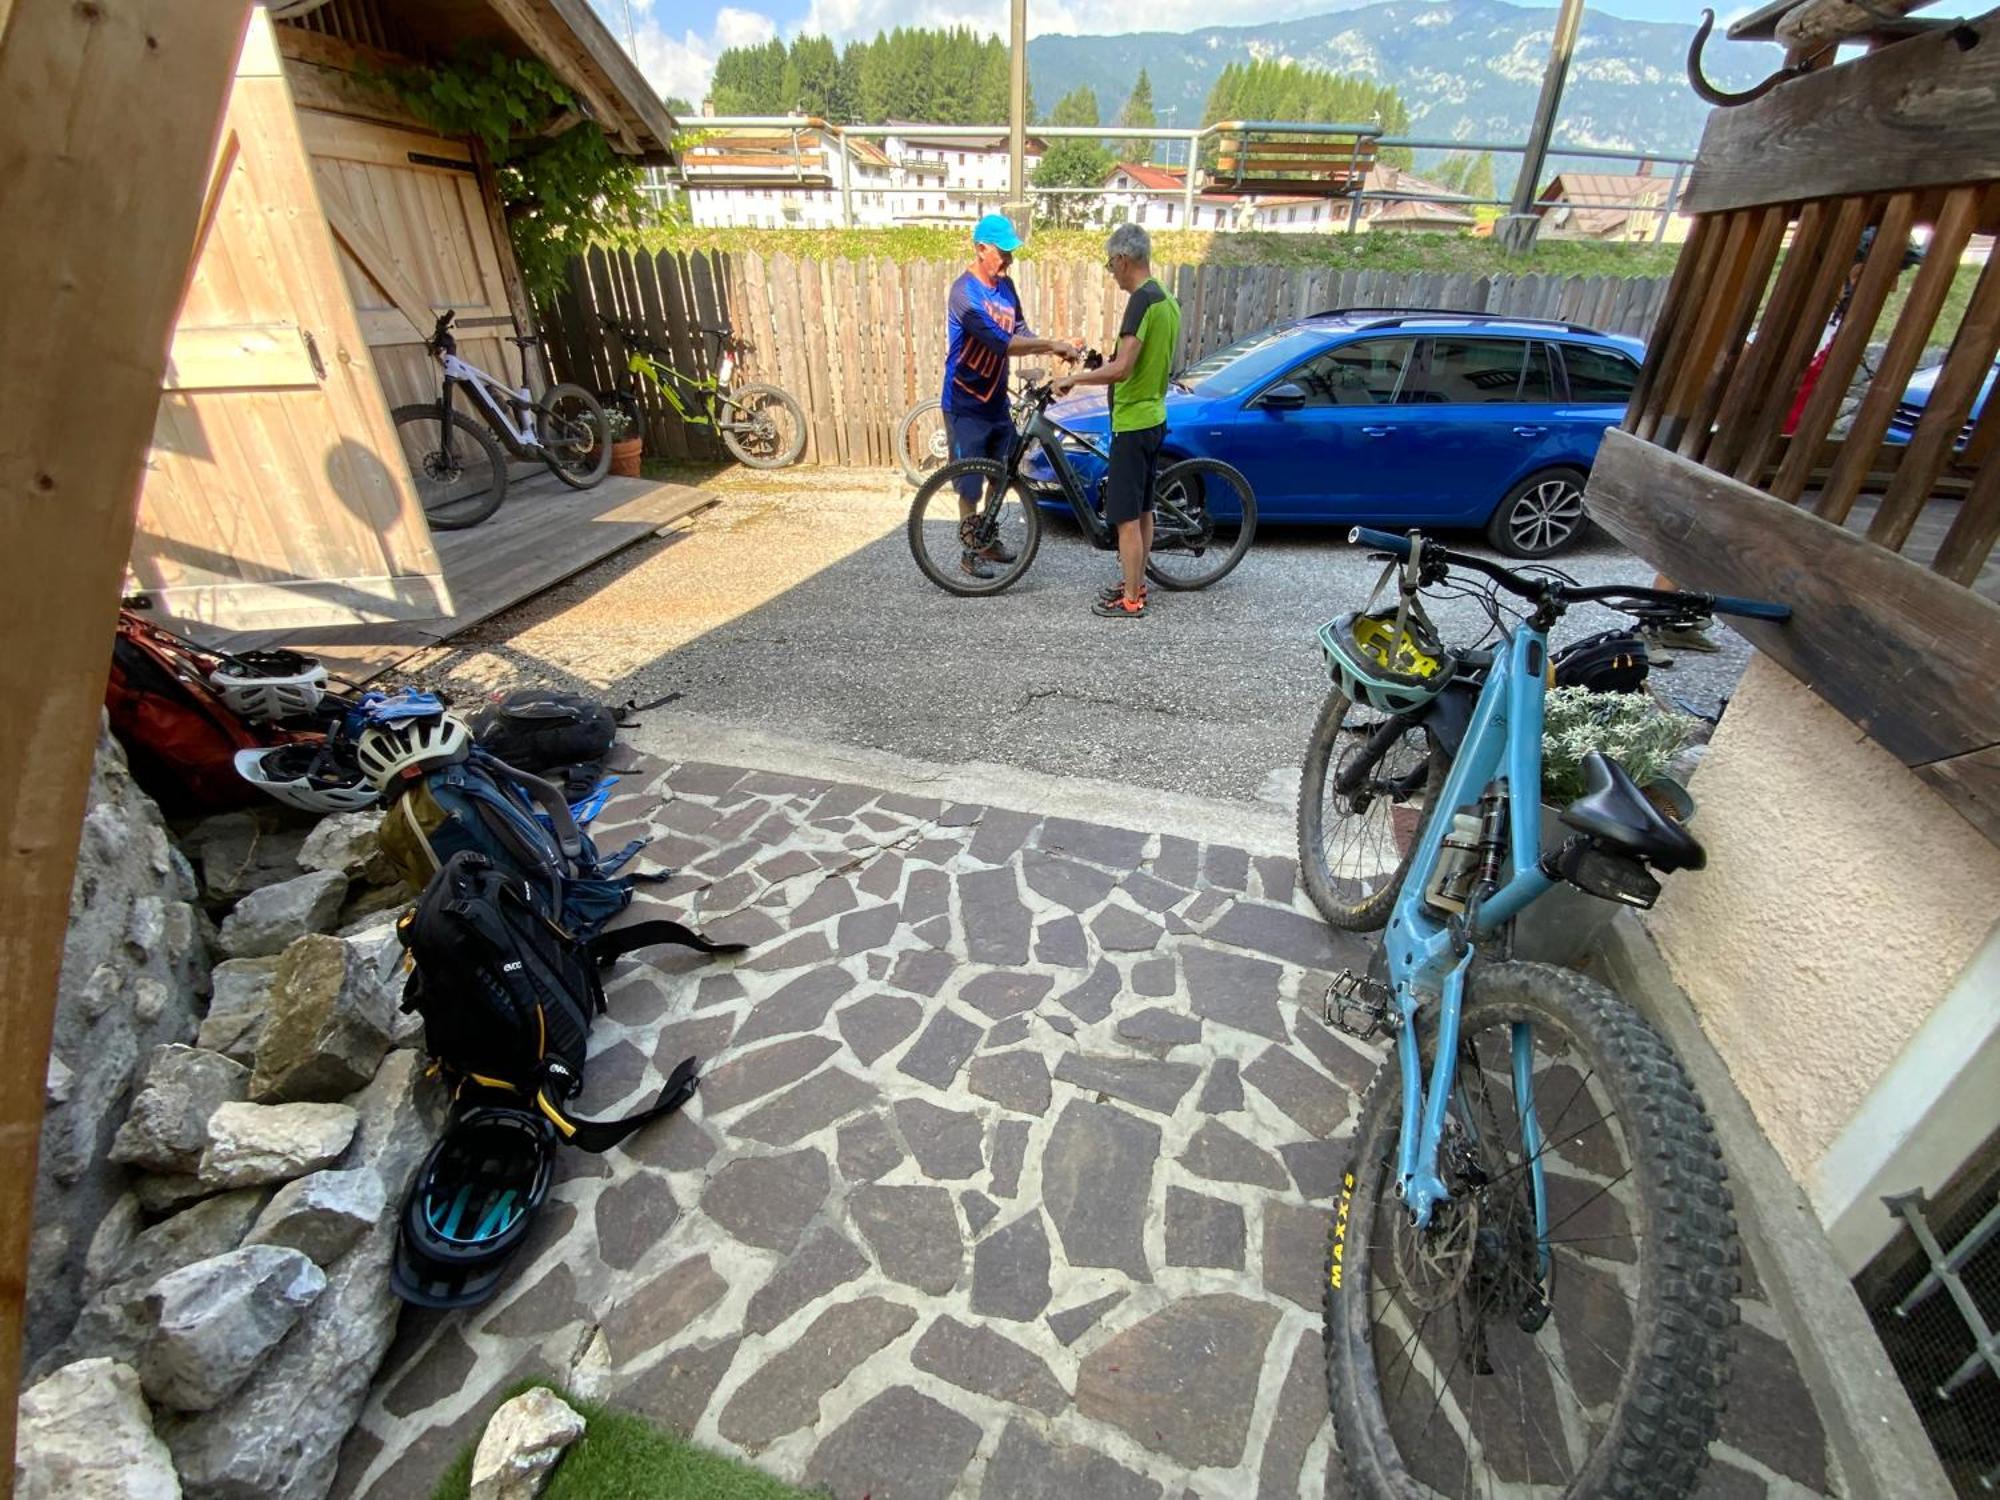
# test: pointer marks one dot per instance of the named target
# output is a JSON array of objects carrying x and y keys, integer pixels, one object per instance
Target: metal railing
[{"x": 1195, "y": 185}]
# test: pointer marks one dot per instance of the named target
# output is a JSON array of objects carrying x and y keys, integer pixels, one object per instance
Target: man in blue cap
[{"x": 984, "y": 328}]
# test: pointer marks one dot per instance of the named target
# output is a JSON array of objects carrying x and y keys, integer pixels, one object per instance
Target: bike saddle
[{"x": 1614, "y": 811}]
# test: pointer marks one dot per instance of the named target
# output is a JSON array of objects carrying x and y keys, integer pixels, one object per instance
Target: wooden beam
[
  {"x": 1823, "y": 23},
  {"x": 110, "y": 103},
  {"x": 620, "y": 70},
  {"x": 376, "y": 260},
  {"x": 1923, "y": 113},
  {"x": 1914, "y": 663},
  {"x": 531, "y": 22},
  {"x": 1970, "y": 541}
]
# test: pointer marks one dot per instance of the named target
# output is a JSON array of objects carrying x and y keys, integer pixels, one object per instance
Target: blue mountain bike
[{"x": 1534, "y": 1256}]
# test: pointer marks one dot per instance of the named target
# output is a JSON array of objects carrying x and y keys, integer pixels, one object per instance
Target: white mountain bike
[{"x": 458, "y": 466}]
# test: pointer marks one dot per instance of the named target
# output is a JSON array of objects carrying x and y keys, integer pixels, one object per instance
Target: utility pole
[
  {"x": 1516, "y": 232},
  {"x": 1017, "y": 120}
]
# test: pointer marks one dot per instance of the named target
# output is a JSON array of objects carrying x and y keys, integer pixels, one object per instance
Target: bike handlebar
[{"x": 1435, "y": 555}]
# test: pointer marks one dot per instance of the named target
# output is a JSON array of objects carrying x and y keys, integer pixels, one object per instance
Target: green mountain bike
[{"x": 761, "y": 425}]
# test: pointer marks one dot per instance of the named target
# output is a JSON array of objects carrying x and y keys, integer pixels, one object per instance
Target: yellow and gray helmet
[{"x": 1389, "y": 665}]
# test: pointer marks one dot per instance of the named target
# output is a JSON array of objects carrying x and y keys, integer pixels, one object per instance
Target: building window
[{"x": 961, "y": 158}]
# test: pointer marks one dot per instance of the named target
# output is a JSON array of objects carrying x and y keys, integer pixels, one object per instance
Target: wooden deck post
[{"x": 108, "y": 117}]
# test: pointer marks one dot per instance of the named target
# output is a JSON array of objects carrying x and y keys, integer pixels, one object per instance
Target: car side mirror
[{"x": 1284, "y": 396}]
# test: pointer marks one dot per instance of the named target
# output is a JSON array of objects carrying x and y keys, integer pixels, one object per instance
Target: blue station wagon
[{"x": 1397, "y": 418}]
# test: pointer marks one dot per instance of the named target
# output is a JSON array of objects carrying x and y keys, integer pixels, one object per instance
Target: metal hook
[{"x": 1720, "y": 98}]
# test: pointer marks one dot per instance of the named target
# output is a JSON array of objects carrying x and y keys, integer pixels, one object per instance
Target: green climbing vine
[{"x": 563, "y": 186}]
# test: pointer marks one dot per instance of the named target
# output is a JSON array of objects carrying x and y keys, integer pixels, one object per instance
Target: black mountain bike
[{"x": 1204, "y": 513}]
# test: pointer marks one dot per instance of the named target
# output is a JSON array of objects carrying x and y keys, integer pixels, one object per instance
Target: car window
[
  {"x": 1599, "y": 376},
  {"x": 1469, "y": 372},
  {"x": 1366, "y": 372},
  {"x": 1538, "y": 380},
  {"x": 1248, "y": 361}
]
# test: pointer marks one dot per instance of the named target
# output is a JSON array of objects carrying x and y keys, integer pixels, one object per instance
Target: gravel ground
[{"x": 795, "y": 606}]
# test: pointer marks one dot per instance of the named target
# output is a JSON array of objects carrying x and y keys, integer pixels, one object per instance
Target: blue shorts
[{"x": 977, "y": 437}]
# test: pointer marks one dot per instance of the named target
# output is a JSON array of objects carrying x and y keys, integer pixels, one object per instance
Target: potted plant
[
  {"x": 1644, "y": 738},
  {"x": 627, "y": 444}
]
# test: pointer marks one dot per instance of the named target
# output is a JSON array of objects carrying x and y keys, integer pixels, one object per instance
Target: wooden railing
[{"x": 1733, "y": 473}]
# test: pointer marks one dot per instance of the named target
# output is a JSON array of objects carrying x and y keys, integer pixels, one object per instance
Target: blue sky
[{"x": 678, "y": 40}]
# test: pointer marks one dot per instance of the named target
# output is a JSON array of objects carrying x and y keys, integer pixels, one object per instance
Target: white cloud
[
  {"x": 743, "y": 28},
  {"x": 683, "y": 63}
]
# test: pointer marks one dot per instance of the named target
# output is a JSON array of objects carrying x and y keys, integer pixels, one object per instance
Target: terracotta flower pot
[{"x": 625, "y": 457}]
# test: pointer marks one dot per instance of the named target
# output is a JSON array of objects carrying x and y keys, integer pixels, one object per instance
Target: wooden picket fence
[{"x": 859, "y": 342}]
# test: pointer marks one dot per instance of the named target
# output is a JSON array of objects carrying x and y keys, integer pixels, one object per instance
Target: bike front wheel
[
  {"x": 762, "y": 425},
  {"x": 1484, "y": 1355},
  {"x": 1365, "y": 793},
  {"x": 1204, "y": 517},
  {"x": 972, "y": 529},
  {"x": 457, "y": 469},
  {"x": 576, "y": 440},
  {"x": 923, "y": 444}
]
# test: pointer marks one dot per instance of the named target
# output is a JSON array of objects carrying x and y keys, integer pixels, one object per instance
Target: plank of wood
[
  {"x": 659, "y": 295},
  {"x": 265, "y": 354},
  {"x": 338, "y": 138},
  {"x": 1977, "y": 527},
  {"x": 1925, "y": 112},
  {"x": 105, "y": 104},
  {"x": 1971, "y": 783},
  {"x": 1914, "y": 665},
  {"x": 1843, "y": 357},
  {"x": 1678, "y": 304},
  {"x": 1737, "y": 301},
  {"x": 1968, "y": 365},
  {"x": 379, "y": 263},
  {"x": 1817, "y": 24}
]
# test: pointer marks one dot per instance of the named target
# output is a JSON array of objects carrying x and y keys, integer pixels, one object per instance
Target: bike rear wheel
[
  {"x": 923, "y": 444},
  {"x": 976, "y": 546},
  {"x": 762, "y": 425},
  {"x": 1459, "y": 1362},
  {"x": 459, "y": 471},
  {"x": 1355, "y": 846},
  {"x": 1204, "y": 517},
  {"x": 575, "y": 437}
]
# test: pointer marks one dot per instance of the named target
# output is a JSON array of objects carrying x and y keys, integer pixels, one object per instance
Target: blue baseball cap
[{"x": 996, "y": 230}]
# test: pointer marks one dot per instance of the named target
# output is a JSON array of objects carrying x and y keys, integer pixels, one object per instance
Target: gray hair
[{"x": 1132, "y": 242}]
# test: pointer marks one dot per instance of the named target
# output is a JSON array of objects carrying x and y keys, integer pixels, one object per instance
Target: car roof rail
[{"x": 1391, "y": 317}]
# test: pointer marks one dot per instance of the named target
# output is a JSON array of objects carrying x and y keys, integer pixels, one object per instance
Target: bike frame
[
  {"x": 1049, "y": 433},
  {"x": 1426, "y": 956},
  {"x": 650, "y": 368},
  {"x": 497, "y": 402}
]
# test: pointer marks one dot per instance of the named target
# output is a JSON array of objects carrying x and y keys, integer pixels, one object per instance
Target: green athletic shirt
[{"x": 1139, "y": 400}]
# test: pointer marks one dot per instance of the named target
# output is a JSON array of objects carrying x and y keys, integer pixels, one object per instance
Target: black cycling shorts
[{"x": 1135, "y": 463}]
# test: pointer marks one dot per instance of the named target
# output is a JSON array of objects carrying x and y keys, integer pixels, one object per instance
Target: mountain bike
[
  {"x": 923, "y": 443},
  {"x": 1533, "y": 1254},
  {"x": 457, "y": 465},
  {"x": 1204, "y": 513},
  {"x": 760, "y": 424}
]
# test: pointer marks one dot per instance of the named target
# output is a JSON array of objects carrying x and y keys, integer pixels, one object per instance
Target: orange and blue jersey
[{"x": 980, "y": 322}]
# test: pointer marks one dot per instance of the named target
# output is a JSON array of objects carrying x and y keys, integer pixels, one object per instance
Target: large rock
[
  {"x": 85, "y": 1434},
  {"x": 250, "y": 1144},
  {"x": 167, "y": 1129},
  {"x": 215, "y": 1320},
  {"x": 351, "y": 844},
  {"x": 279, "y": 1437},
  {"x": 522, "y": 1444},
  {"x": 208, "y": 1228},
  {"x": 331, "y": 1020},
  {"x": 239, "y": 1001},
  {"x": 271, "y": 919},
  {"x": 322, "y": 1214},
  {"x": 1097, "y": 1182},
  {"x": 243, "y": 852},
  {"x": 1183, "y": 1382}
]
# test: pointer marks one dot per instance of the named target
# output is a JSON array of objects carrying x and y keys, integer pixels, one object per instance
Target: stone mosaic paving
[{"x": 1001, "y": 1181}]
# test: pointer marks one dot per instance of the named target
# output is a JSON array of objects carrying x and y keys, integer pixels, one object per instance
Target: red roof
[{"x": 1157, "y": 178}]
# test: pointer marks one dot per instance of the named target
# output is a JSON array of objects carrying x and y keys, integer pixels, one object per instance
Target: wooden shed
[{"x": 334, "y": 229}]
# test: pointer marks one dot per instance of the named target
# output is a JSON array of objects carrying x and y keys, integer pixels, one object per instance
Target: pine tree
[{"x": 1138, "y": 110}]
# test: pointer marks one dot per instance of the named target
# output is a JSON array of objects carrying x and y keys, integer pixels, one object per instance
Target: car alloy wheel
[{"x": 1545, "y": 517}]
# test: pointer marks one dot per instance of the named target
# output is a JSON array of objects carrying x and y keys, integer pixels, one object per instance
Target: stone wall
[{"x": 134, "y": 976}]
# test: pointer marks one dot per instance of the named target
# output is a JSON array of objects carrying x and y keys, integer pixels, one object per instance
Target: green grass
[
  {"x": 1389, "y": 251},
  {"x": 622, "y": 1457}
]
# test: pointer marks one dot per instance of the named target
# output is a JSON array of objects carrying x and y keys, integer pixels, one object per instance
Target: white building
[
  {"x": 788, "y": 179},
  {"x": 1155, "y": 198},
  {"x": 947, "y": 179}
]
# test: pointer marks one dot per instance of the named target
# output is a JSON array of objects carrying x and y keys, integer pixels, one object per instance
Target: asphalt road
[{"x": 795, "y": 607}]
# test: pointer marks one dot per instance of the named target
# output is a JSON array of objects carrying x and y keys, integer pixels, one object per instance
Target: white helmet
[
  {"x": 308, "y": 775},
  {"x": 266, "y": 686},
  {"x": 387, "y": 751}
]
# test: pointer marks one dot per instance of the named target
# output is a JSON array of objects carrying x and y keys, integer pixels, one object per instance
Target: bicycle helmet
[
  {"x": 1387, "y": 669},
  {"x": 470, "y": 1206},
  {"x": 315, "y": 775},
  {"x": 410, "y": 747},
  {"x": 266, "y": 686}
]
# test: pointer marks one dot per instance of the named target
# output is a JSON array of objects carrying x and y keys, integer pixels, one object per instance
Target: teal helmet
[{"x": 1395, "y": 671}]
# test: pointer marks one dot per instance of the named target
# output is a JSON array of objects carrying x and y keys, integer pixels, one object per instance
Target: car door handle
[
  {"x": 1376, "y": 431},
  {"x": 1531, "y": 432}
]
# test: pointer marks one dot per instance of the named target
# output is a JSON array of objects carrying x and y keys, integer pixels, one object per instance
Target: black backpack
[
  {"x": 1613, "y": 661},
  {"x": 508, "y": 994},
  {"x": 563, "y": 736}
]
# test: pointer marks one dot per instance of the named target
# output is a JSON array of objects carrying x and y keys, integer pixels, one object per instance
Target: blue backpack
[{"x": 519, "y": 822}]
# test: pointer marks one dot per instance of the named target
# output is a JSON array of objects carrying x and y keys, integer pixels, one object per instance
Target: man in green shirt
[{"x": 1137, "y": 374}]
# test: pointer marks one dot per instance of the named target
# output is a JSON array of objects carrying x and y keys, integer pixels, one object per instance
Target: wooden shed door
[
  {"x": 274, "y": 494},
  {"x": 415, "y": 236}
]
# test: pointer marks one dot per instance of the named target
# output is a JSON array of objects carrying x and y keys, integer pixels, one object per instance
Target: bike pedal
[{"x": 1357, "y": 1005}]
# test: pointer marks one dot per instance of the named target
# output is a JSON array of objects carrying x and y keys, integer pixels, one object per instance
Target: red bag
[{"x": 179, "y": 736}]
